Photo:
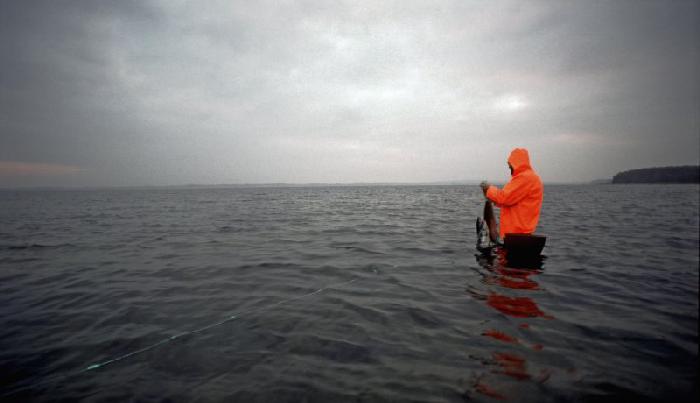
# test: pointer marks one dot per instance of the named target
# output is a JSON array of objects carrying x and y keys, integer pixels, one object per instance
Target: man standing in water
[{"x": 519, "y": 200}]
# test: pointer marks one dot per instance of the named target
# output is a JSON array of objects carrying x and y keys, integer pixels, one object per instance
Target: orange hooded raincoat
[{"x": 521, "y": 198}]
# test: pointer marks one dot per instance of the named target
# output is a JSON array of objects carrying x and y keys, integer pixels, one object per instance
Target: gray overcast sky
[{"x": 175, "y": 92}]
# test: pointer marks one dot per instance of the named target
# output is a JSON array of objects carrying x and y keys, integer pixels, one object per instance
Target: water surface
[{"x": 344, "y": 294}]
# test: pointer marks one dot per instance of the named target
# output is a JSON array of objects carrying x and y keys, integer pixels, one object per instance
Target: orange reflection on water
[
  {"x": 517, "y": 307},
  {"x": 506, "y": 338},
  {"x": 498, "y": 335},
  {"x": 516, "y": 276},
  {"x": 517, "y": 283},
  {"x": 512, "y": 365},
  {"x": 513, "y": 275},
  {"x": 486, "y": 390}
]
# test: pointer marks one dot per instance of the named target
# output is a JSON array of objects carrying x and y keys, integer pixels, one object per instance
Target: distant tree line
[{"x": 682, "y": 174}]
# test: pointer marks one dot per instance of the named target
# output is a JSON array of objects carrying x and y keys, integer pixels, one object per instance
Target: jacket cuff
[{"x": 490, "y": 192}]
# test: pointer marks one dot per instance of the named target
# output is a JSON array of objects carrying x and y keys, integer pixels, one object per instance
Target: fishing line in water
[
  {"x": 230, "y": 318},
  {"x": 170, "y": 339},
  {"x": 212, "y": 325}
]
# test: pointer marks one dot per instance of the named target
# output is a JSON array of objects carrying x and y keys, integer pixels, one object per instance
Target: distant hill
[{"x": 682, "y": 174}]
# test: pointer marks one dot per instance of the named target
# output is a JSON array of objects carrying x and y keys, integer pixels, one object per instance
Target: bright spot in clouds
[{"x": 510, "y": 103}]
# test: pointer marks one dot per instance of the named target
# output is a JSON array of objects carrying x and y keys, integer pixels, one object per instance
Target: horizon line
[{"x": 284, "y": 184}]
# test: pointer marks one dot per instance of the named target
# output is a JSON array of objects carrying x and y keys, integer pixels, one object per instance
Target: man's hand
[{"x": 484, "y": 187}]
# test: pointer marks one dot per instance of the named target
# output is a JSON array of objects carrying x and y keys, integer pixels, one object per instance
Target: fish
[{"x": 487, "y": 229}]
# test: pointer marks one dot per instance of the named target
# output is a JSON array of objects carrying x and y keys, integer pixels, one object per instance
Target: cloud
[
  {"x": 582, "y": 139},
  {"x": 179, "y": 92}
]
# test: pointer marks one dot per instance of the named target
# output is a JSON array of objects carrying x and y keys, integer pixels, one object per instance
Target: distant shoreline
[{"x": 673, "y": 174}]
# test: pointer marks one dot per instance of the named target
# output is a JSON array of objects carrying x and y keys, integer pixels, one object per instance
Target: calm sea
[{"x": 334, "y": 294}]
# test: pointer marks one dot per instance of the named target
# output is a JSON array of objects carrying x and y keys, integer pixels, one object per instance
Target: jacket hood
[{"x": 520, "y": 160}]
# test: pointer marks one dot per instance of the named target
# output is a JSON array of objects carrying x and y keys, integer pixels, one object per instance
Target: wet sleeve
[{"x": 512, "y": 193}]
